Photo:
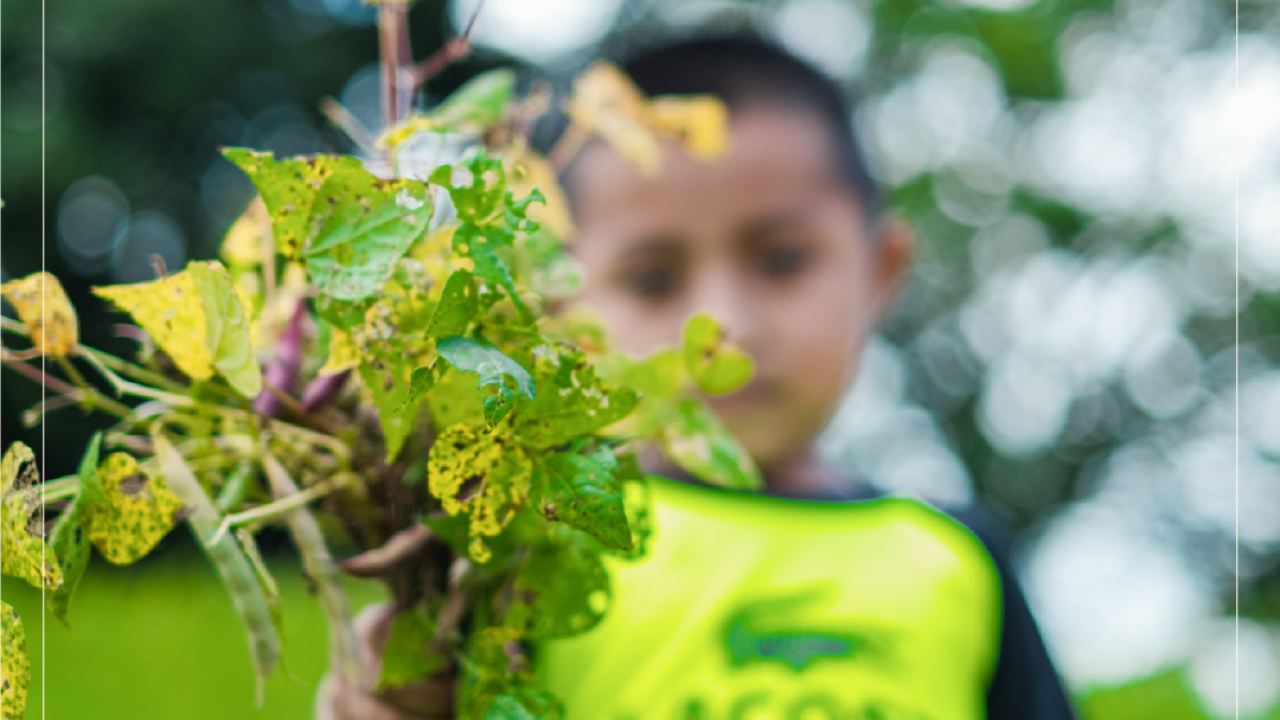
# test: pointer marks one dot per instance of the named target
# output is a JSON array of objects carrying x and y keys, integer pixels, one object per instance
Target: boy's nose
[{"x": 731, "y": 302}]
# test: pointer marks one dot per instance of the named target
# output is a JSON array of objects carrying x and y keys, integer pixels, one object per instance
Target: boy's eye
[
  {"x": 653, "y": 283},
  {"x": 784, "y": 261}
]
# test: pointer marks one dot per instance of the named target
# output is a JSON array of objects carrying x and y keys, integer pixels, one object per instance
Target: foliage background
[{"x": 1065, "y": 353}]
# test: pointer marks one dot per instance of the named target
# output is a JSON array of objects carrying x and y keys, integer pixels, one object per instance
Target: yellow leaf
[
  {"x": 342, "y": 353},
  {"x": 700, "y": 121},
  {"x": 607, "y": 103},
  {"x": 24, "y": 553},
  {"x": 502, "y": 469},
  {"x": 170, "y": 310},
  {"x": 51, "y": 321},
  {"x": 527, "y": 170},
  {"x": 248, "y": 240},
  {"x": 197, "y": 318},
  {"x": 139, "y": 510},
  {"x": 15, "y": 667}
]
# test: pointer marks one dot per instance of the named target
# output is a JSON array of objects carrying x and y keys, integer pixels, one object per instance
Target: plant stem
[
  {"x": 279, "y": 507},
  {"x": 88, "y": 396},
  {"x": 396, "y": 59},
  {"x": 137, "y": 372},
  {"x": 63, "y": 487},
  {"x": 123, "y": 387}
]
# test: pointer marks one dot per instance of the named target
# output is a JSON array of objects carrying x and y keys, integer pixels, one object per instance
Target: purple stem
[
  {"x": 322, "y": 390},
  {"x": 282, "y": 371}
]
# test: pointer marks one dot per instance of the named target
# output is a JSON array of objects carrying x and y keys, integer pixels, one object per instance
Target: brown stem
[
  {"x": 397, "y": 61},
  {"x": 453, "y": 51}
]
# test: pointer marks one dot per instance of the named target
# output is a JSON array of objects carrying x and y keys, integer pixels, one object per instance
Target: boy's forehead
[{"x": 776, "y": 156}]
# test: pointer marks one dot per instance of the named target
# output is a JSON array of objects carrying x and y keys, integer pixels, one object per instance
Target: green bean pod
[{"x": 227, "y": 558}]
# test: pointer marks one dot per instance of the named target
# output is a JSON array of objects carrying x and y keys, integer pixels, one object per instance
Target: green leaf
[
  {"x": 138, "y": 511},
  {"x": 659, "y": 375},
  {"x": 342, "y": 313},
  {"x": 407, "y": 657},
  {"x": 717, "y": 366},
  {"x": 398, "y": 389},
  {"x": 348, "y": 225},
  {"x": 482, "y": 247},
  {"x": 582, "y": 492},
  {"x": 508, "y": 707},
  {"x": 480, "y": 200},
  {"x": 457, "y": 307},
  {"x": 567, "y": 584},
  {"x": 478, "y": 104},
  {"x": 69, "y": 540},
  {"x": 455, "y": 399},
  {"x": 15, "y": 667},
  {"x": 23, "y": 554},
  {"x": 696, "y": 440},
  {"x": 573, "y": 402},
  {"x": 228, "y": 337},
  {"x": 492, "y": 366}
]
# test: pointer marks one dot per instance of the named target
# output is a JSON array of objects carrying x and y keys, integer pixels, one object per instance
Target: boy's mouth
[{"x": 755, "y": 395}]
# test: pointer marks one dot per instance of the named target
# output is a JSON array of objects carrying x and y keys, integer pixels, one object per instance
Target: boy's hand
[{"x": 339, "y": 699}]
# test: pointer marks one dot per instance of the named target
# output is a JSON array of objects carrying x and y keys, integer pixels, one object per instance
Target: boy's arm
[{"x": 1025, "y": 685}]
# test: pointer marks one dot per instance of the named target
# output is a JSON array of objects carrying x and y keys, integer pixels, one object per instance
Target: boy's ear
[{"x": 895, "y": 248}]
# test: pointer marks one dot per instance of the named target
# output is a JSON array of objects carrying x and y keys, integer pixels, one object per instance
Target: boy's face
[{"x": 769, "y": 241}]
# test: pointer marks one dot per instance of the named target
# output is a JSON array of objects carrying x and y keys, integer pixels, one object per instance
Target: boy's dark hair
[{"x": 745, "y": 70}]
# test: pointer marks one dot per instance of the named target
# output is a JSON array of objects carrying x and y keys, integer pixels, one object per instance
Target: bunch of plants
[{"x": 387, "y": 365}]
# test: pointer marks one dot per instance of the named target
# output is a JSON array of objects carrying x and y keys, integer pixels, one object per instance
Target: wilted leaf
[
  {"x": 139, "y": 510},
  {"x": 484, "y": 474},
  {"x": 582, "y": 492},
  {"x": 196, "y": 317},
  {"x": 718, "y": 367},
  {"x": 701, "y": 122},
  {"x": 24, "y": 554},
  {"x": 606, "y": 102},
  {"x": 15, "y": 667},
  {"x": 44, "y": 308},
  {"x": 696, "y": 440}
]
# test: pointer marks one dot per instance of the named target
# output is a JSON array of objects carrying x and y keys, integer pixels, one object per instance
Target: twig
[
  {"x": 273, "y": 509},
  {"x": 123, "y": 386},
  {"x": 342, "y": 119},
  {"x": 32, "y": 415},
  {"x": 92, "y": 397},
  {"x": 376, "y": 562},
  {"x": 99, "y": 358},
  {"x": 453, "y": 51},
  {"x": 63, "y": 487}
]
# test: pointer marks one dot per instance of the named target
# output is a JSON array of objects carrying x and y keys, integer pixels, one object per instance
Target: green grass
[{"x": 161, "y": 641}]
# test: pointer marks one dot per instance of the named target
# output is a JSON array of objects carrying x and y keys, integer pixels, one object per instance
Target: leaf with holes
[
  {"x": 492, "y": 366},
  {"x": 573, "y": 402},
  {"x": 139, "y": 510},
  {"x": 457, "y": 307},
  {"x": 24, "y": 553},
  {"x": 483, "y": 474},
  {"x": 696, "y": 440}
]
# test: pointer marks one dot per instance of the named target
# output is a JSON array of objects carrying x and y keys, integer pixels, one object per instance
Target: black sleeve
[{"x": 1025, "y": 685}]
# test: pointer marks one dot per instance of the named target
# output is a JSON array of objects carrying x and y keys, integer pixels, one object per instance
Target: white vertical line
[
  {"x": 1236, "y": 650},
  {"x": 44, "y": 447}
]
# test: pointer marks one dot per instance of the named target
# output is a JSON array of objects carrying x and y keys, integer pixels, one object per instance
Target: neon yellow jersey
[{"x": 750, "y": 607}]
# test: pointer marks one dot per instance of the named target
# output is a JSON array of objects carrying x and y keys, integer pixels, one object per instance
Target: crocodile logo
[{"x": 775, "y": 630}]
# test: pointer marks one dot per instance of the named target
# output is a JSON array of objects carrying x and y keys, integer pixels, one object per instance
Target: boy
[{"x": 808, "y": 605}]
